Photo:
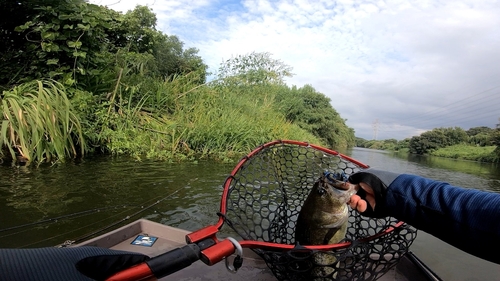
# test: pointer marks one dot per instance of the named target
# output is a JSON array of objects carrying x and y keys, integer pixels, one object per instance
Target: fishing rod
[
  {"x": 56, "y": 219},
  {"x": 87, "y": 236},
  {"x": 155, "y": 201}
]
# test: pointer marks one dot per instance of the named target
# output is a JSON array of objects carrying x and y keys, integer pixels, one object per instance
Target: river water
[{"x": 48, "y": 205}]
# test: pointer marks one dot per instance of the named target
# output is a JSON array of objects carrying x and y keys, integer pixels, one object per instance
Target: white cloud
[{"x": 404, "y": 63}]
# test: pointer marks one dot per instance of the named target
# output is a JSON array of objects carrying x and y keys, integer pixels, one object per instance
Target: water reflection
[
  {"x": 469, "y": 174},
  {"x": 186, "y": 195}
]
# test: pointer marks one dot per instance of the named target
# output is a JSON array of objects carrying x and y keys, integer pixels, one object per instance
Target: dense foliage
[
  {"x": 437, "y": 138},
  {"x": 79, "y": 78},
  {"x": 83, "y": 45},
  {"x": 254, "y": 68},
  {"x": 313, "y": 112},
  {"x": 468, "y": 152},
  {"x": 39, "y": 122},
  {"x": 388, "y": 144}
]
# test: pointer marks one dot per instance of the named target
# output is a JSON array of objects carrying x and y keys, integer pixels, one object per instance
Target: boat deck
[{"x": 254, "y": 268}]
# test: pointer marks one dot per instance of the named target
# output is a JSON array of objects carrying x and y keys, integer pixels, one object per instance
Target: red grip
[
  {"x": 217, "y": 252},
  {"x": 135, "y": 273},
  {"x": 201, "y": 234}
]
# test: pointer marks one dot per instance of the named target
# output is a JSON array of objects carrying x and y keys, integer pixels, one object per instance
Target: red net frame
[{"x": 261, "y": 201}]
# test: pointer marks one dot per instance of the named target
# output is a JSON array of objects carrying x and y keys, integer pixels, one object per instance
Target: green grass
[
  {"x": 174, "y": 119},
  {"x": 199, "y": 122},
  {"x": 466, "y": 152}
]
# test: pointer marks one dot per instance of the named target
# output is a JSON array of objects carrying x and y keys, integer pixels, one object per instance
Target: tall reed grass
[
  {"x": 39, "y": 123},
  {"x": 181, "y": 119}
]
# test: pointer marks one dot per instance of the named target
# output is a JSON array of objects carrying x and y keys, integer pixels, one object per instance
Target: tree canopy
[
  {"x": 80, "y": 44},
  {"x": 254, "y": 68}
]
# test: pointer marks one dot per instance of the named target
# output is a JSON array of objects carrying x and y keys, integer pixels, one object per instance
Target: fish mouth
[
  {"x": 343, "y": 186},
  {"x": 333, "y": 180},
  {"x": 342, "y": 189}
]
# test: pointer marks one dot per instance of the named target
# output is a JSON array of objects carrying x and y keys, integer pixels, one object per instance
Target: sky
[{"x": 393, "y": 69}]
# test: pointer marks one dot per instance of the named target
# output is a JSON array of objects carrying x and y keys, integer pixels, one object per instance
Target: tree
[
  {"x": 87, "y": 46},
  {"x": 139, "y": 29},
  {"x": 478, "y": 130},
  {"x": 172, "y": 59},
  {"x": 13, "y": 43},
  {"x": 455, "y": 135},
  {"x": 437, "y": 138},
  {"x": 312, "y": 111},
  {"x": 403, "y": 144},
  {"x": 63, "y": 40},
  {"x": 495, "y": 139},
  {"x": 254, "y": 68}
]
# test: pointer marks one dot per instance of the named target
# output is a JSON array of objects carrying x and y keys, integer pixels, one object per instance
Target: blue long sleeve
[{"x": 468, "y": 219}]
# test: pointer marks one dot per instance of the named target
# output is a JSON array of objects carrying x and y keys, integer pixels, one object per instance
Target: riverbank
[
  {"x": 106, "y": 92},
  {"x": 475, "y": 144},
  {"x": 487, "y": 154},
  {"x": 468, "y": 152}
]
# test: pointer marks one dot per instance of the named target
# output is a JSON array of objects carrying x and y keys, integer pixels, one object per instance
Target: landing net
[{"x": 263, "y": 197}]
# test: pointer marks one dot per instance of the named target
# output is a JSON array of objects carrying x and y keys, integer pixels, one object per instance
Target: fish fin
[{"x": 329, "y": 235}]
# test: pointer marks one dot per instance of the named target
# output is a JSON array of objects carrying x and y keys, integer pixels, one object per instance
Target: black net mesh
[{"x": 264, "y": 199}]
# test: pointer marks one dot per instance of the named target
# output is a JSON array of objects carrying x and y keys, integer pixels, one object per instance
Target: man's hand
[
  {"x": 360, "y": 204},
  {"x": 369, "y": 200}
]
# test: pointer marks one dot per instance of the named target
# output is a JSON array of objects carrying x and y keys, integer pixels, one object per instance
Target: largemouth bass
[
  {"x": 323, "y": 220},
  {"x": 324, "y": 214}
]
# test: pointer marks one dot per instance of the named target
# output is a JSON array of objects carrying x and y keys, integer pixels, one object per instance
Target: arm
[{"x": 468, "y": 219}]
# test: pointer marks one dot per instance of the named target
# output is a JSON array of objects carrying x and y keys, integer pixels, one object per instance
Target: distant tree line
[{"x": 437, "y": 138}]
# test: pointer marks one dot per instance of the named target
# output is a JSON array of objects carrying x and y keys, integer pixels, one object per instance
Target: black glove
[{"x": 378, "y": 181}]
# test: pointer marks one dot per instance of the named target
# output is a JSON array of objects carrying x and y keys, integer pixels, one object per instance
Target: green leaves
[
  {"x": 50, "y": 47},
  {"x": 313, "y": 112},
  {"x": 80, "y": 54},
  {"x": 85, "y": 41},
  {"x": 65, "y": 37},
  {"x": 39, "y": 123},
  {"x": 84, "y": 27},
  {"x": 48, "y": 35},
  {"x": 23, "y": 27},
  {"x": 73, "y": 44},
  {"x": 52, "y": 61},
  {"x": 437, "y": 138}
]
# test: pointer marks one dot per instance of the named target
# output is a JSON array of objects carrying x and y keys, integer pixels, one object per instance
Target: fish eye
[{"x": 321, "y": 191}]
